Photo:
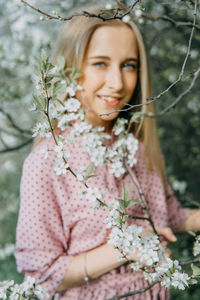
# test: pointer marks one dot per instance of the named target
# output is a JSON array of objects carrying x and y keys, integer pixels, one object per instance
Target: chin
[{"x": 110, "y": 117}]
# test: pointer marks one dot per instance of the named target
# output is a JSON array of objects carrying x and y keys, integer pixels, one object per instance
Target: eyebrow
[{"x": 107, "y": 57}]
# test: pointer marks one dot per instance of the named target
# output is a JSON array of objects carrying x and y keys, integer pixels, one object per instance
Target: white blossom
[
  {"x": 126, "y": 240},
  {"x": 72, "y": 105},
  {"x": 94, "y": 196},
  {"x": 4, "y": 286},
  {"x": 72, "y": 88},
  {"x": 79, "y": 174},
  {"x": 28, "y": 288},
  {"x": 117, "y": 168},
  {"x": 108, "y": 6},
  {"x": 42, "y": 129},
  {"x": 61, "y": 167},
  {"x": 65, "y": 120},
  {"x": 45, "y": 151},
  {"x": 136, "y": 266},
  {"x": 132, "y": 147},
  {"x": 126, "y": 19},
  {"x": 113, "y": 214},
  {"x": 170, "y": 274},
  {"x": 78, "y": 129},
  {"x": 120, "y": 126},
  {"x": 92, "y": 144},
  {"x": 138, "y": 12},
  {"x": 148, "y": 250},
  {"x": 196, "y": 248},
  {"x": 61, "y": 151}
]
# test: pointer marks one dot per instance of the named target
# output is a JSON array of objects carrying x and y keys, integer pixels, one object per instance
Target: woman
[{"x": 59, "y": 241}]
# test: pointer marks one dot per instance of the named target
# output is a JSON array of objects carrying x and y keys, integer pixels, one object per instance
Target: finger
[{"x": 167, "y": 233}]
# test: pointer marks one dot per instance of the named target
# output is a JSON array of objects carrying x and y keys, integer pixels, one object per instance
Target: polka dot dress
[{"x": 54, "y": 224}]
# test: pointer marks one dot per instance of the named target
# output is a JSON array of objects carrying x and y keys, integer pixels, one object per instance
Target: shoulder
[{"x": 36, "y": 160}]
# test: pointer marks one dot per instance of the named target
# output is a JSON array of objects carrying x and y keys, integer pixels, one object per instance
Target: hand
[
  {"x": 165, "y": 232},
  {"x": 191, "y": 222}
]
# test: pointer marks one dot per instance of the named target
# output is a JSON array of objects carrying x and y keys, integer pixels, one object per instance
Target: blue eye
[
  {"x": 99, "y": 64},
  {"x": 129, "y": 66}
]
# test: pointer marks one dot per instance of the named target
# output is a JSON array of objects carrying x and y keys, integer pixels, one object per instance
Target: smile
[{"x": 110, "y": 101}]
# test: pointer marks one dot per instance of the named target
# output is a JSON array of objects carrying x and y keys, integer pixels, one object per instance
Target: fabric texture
[{"x": 54, "y": 225}]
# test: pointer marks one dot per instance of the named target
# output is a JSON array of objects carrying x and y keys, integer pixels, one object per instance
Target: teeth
[{"x": 109, "y": 99}]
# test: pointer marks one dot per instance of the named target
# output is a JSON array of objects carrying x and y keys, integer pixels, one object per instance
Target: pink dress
[{"x": 54, "y": 224}]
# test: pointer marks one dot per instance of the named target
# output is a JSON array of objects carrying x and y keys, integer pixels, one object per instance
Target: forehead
[{"x": 113, "y": 40}]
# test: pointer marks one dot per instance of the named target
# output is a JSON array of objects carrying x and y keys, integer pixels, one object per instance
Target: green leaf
[
  {"x": 89, "y": 169},
  {"x": 195, "y": 269},
  {"x": 125, "y": 217},
  {"x": 58, "y": 88},
  {"x": 61, "y": 102},
  {"x": 125, "y": 192},
  {"x": 132, "y": 202},
  {"x": 38, "y": 101},
  {"x": 77, "y": 75},
  {"x": 44, "y": 56},
  {"x": 136, "y": 117},
  {"x": 191, "y": 233},
  {"x": 93, "y": 175},
  {"x": 61, "y": 61},
  {"x": 193, "y": 281},
  {"x": 37, "y": 70},
  {"x": 123, "y": 204},
  {"x": 38, "y": 59}
]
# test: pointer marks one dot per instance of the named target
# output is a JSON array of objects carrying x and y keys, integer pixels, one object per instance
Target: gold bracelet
[{"x": 86, "y": 278}]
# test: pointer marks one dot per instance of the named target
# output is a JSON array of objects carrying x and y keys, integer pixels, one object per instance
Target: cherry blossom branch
[
  {"x": 48, "y": 98},
  {"x": 118, "y": 13},
  {"x": 140, "y": 291},
  {"x": 144, "y": 206}
]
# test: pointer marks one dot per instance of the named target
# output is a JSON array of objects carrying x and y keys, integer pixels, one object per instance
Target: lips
[{"x": 110, "y": 100}]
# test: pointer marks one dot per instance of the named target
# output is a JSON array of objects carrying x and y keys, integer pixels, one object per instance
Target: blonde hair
[{"x": 72, "y": 43}]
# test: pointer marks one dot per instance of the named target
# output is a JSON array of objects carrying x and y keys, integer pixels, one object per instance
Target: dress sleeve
[{"x": 41, "y": 241}]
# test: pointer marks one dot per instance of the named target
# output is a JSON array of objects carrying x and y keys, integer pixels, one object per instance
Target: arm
[
  {"x": 102, "y": 260},
  {"x": 95, "y": 262},
  {"x": 191, "y": 222},
  {"x": 41, "y": 243}
]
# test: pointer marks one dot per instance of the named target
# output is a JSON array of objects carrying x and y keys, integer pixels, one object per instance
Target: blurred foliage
[{"x": 23, "y": 36}]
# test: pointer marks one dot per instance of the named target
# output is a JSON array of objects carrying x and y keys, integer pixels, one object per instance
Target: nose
[{"x": 114, "y": 78}]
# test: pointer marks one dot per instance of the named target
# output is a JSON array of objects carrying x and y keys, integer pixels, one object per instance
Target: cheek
[{"x": 131, "y": 85}]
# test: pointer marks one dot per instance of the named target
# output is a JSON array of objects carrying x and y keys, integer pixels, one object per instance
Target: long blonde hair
[{"x": 72, "y": 43}]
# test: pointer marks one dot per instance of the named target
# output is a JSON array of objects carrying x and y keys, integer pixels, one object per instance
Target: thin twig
[
  {"x": 170, "y": 20},
  {"x": 17, "y": 147},
  {"x": 140, "y": 291},
  {"x": 12, "y": 122},
  {"x": 172, "y": 105},
  {"x": 118, "y": 13}
]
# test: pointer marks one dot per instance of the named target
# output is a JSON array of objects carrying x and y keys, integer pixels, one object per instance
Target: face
[{"x": 109, "y": 73}]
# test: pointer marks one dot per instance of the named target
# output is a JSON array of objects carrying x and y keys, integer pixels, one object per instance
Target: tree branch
[
  {"x": 14, "y": 125},
  {"x": 134, "y": 292},
  {"x": 170, "y": 20},
  {"x": 118, "y": 13},
  {"x": 178, "y": 99},
  {"x": 16, "y": 147}
]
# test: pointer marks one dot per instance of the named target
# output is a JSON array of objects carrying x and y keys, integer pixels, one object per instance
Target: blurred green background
[{"x": 23, "y": 36}]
